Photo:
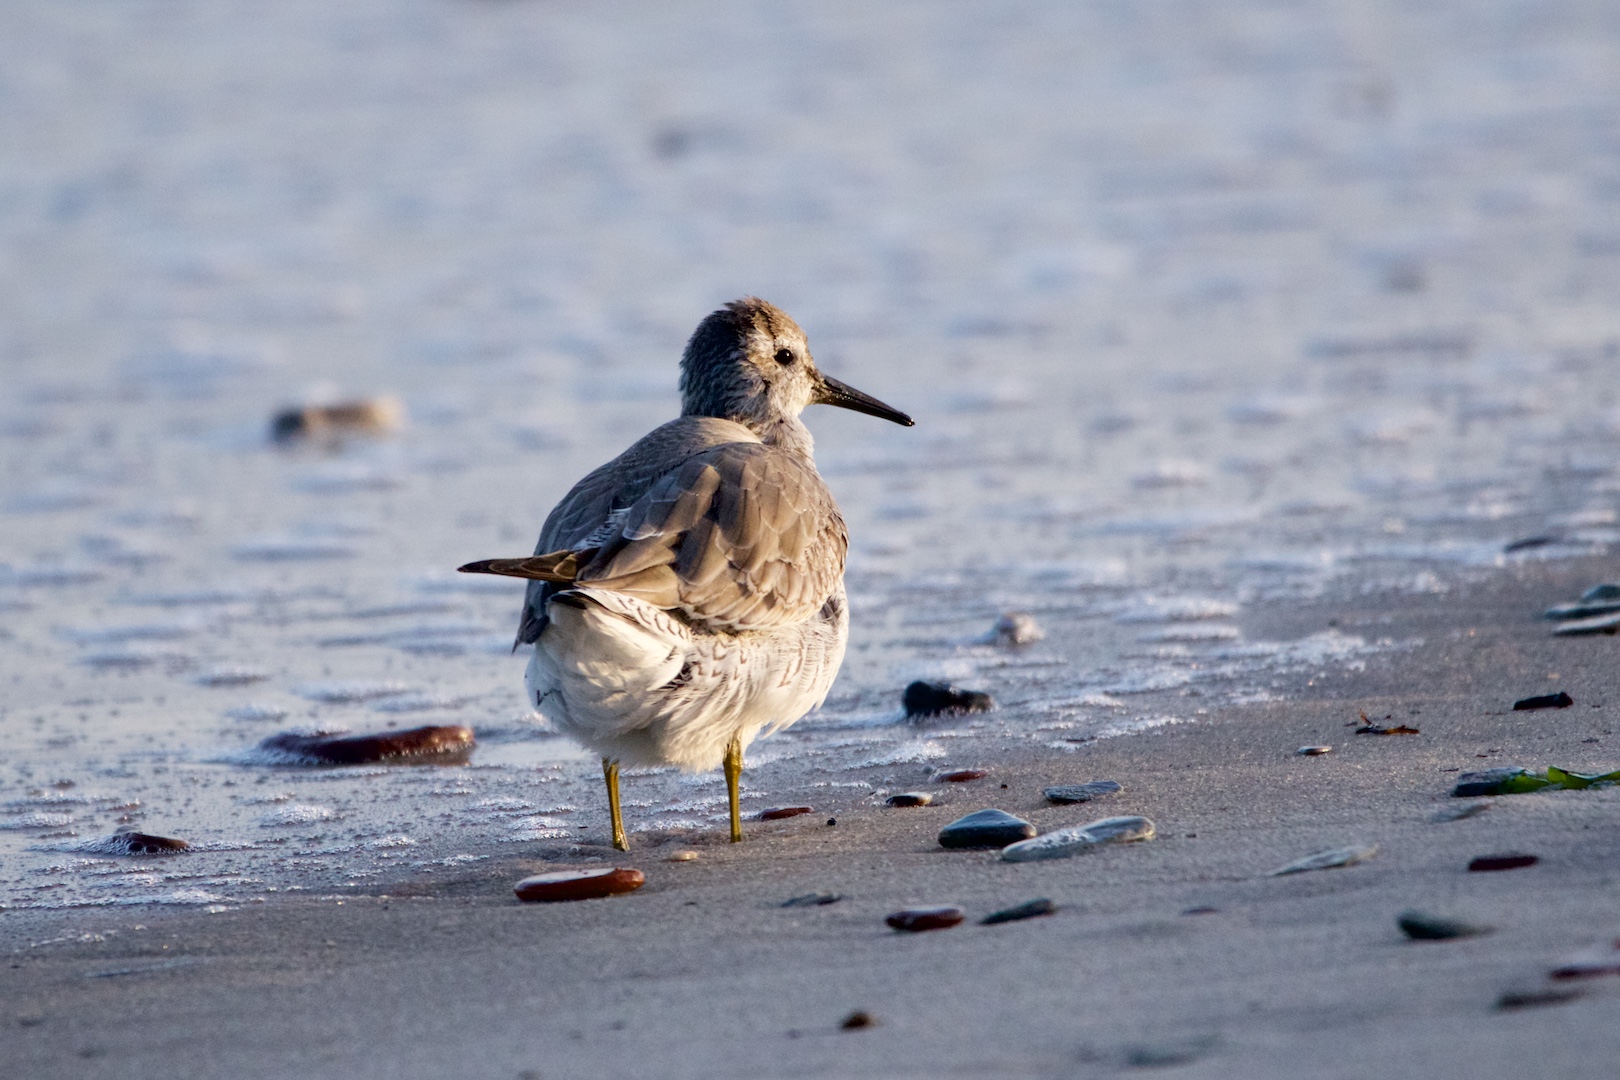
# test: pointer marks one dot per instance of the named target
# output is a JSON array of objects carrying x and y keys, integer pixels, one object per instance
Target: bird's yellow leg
[
  {"x": 610, "y": 773},
  {"x": 734, "y": 766}
]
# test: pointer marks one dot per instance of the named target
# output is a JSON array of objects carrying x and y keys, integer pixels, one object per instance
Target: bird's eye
[{"x": 784, "y": 357}]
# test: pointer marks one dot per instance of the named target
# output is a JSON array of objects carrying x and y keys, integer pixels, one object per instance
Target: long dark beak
[{"x": 834, "y": 392}]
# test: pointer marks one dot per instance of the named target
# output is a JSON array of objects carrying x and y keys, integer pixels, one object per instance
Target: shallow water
[{"x": 1198, "y": 310}]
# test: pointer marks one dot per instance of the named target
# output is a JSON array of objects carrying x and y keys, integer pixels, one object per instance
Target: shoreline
[{"x": 701, "y": 972}]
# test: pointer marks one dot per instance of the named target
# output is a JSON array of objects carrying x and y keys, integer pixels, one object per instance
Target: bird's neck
[{"x": 786, "y": 433}]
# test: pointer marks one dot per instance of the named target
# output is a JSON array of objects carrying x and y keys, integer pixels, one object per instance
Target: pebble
[
  {"x": 777, "y": 813},
  {"x": 139, "y": 843},
  {"x": 1485, "y": 781},
  {"x": 1531, "y": 996},
  {"x": 1014, "y": 628},
  {"x": 681, "y": 856},
  {"x": 1422, "y": 926},
  {"x": 943, "y": 699},
  {"x": 1511, "y": 861},
  {"x": 1061, "y": 843},
  {"x": 1077, "y": 793},
  {"x": 985, "y": 829},
  {"x": 371, "y": 416},
  {"x": 814, "y": 899},
  {"x": 1598, "y": 600},
  {"x": 1314, "y": 751},
  {"x": 957, "y": 776},
  {"x": 1032, "y": 910},
  {"x": 857, "y": 1020},
  {"x": 1327, "y": 860},
  {"x": 1599, "y": 960},
  {"x": 580, "y": 884},
  {"x": 449, "y": 742},
  {"x": 1560, "y": 700},
  {"x": 909, "y": 798},
  {"x": 1597, "y": 624},
  {"x": 915, "y": 920}
]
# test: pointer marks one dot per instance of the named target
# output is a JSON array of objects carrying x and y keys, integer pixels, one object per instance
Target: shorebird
[{"x": 689, "y": 595}]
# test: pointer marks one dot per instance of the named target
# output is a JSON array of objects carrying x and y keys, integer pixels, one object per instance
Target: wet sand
[{"x": 702, "y": 973}]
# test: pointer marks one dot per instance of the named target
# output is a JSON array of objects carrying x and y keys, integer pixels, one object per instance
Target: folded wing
[{"x": 741, "y": 536}]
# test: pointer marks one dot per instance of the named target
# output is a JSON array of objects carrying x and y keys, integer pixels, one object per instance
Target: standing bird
[{"x": 689, "y": 594}]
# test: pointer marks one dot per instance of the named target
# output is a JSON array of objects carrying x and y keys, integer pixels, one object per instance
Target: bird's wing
[
  {"x": 594, "y": 509},
  {"x": 741, "y": 536}
]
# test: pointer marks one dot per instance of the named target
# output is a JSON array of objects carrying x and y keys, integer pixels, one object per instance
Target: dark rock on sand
[
  {"x": 943, "y": 699},
  {"x": 857, "y": 1020},
  {"x": 909, "y": 798},
  {"x": 1079, "y": 793},
  {"x": 444, "y": 743},
  {"x": 985, "y": 829},
  {"x": 1512, "y": 861},
  {"x": 777, "y": 813},
  {"x": 928, "y": 918},
  {"x": 1423, "y": 926},
  {"x": 1601, "y": 959},
  {"x": 1598, "y": 600},
  {"x": 580, "y": 884},
  {"x": 815, "y": 899},
  {"x": 1528, "y": 997},
  {"x": 1559, "y": 700},
  {"x": 130, "y": 842},
  {"x": 1313, "y": 751},
  {"x": 1032, "y": 910},
  {"x": 1484, "y": 782}
]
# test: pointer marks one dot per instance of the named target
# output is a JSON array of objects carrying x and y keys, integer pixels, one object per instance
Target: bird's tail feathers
[{"x": 561, "y": 567}]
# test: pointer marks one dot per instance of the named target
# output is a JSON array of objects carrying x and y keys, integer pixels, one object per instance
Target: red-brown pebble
[
  {"x": 927, "y": 918},
  {"x": 580, "y": 884},
  {"x": 777, "y": 813},
  {"x": 960, "y": 776},
  {"x": 1502, "y": 862},
  {"x": 447, "y": 742}
]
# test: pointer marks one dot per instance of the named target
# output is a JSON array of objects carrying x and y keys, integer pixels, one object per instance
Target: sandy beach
[
  {"x": 1266, "y": 355},
  {"x": 703, "y": 972}
]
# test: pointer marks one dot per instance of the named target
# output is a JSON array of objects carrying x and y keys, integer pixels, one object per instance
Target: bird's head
[{"x": 750, "y": 362}]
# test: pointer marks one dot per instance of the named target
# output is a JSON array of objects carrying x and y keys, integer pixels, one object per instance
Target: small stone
[
  {"x": 815, "y": 899},
  {"x": 1328, "y": 860},
  {"x": 371, "y": 416},
  {"x": 1512, "y": 861},
  {"x": 1314, "y": 751},
  {"x": 857, "y": 1020},
  {"x": 1078, "y": 793},
  {"x": 1202, "y": 909},
  {"x": 1608, "y": 623},
  {"x": 1062, "y": 843},
  {"x": 139, "y": 843},
  {"x": 1422, "y": 926},
  {"x": 1032, "y": 910},
  {"x": 1485, "y": 781},
  {"x": 1527, "y": 997},
  {"x": 1560, "y": 700},
  {"x": 957, "y": 776},
  {"x": 914, "y": 920},
  {"x": 1599, "y": 960},
  {"x": 943, "y": 699},
  {"x": 435, "y": 744},
  {"x": 681, "y": 856},
  {"x": 777, "y": 813},
  {"x": 909, "y": 798},
  {"x": 985, "y": 829},
  {"x": 1014, "y": 628},
  {"x": 580, "y": 884}
]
